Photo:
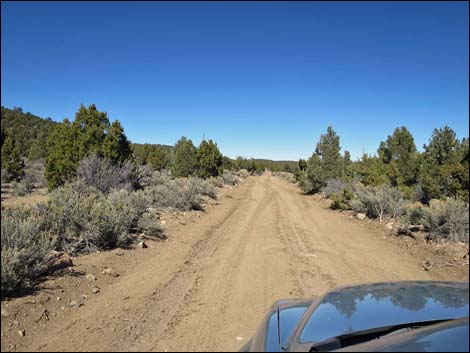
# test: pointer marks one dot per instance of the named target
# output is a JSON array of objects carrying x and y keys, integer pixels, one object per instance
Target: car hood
[
  {"x": 448, "y": 336},
  {"x": 356, "y": 308}
]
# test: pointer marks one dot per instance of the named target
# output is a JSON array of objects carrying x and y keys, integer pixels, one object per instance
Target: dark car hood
[
  {"x": 448, "y": 336},
  {"x": 363, "y": 307}
]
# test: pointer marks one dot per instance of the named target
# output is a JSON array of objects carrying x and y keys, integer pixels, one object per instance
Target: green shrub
[
  {"x": 341, "y": 201},
  {"x": 86, "y": 220},
  {"x": 447, "y": 219},
  {"x": 24, "y": 250},
  {"x": 21, "y": 188},
  {"x": 117, "y": 216},
  {"x": 305, "y": 183},
  {"x": 243, "y": 173},
  {"x": 176, "y": 194},
  {"x": 71, "y": 217},
  {"x": 230, "y": 178},
  {"x": 203, "y": 187},
  {"x": 217, "y": 181},
  {"x": 150, "y": 225},
  {"x": 159, "y": 177},
  {"x": 415, "y": 213},
  {"x": 287, "y": 176}
]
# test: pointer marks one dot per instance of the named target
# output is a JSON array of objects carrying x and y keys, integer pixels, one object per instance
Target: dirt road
[{"x": 209, "y": 286}]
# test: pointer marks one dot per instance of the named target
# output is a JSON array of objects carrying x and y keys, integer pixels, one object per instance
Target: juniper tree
[
  {"x": 398, "y": 152},
  {"x": 11, "y": 160},
  {"x": 116, "y": 146},
  {"x": 209, "y": 159},
  {"x": 90, "y": 133},
  {"x": 184, "y": 158}
]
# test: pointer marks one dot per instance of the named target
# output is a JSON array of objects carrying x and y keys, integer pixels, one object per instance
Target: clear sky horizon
[{"x": 262, "y": 79}]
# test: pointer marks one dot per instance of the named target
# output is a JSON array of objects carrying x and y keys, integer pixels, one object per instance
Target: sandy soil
[
  {"x": 210, "y": 284},
  {"x": 9, "y": 200}
]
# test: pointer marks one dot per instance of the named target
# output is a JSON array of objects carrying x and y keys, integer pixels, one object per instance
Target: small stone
[
  {"x": 59, "y": 298},
  {"x": 106, "y": 271},
  {"x": 22, "y": 333},
  {"x": 142, "y": 245},
  {"x": 90, "y": 277},
  {"x": 95, "y": 290},
  {"x": 163, "y": 223},
  {"x": 361, "y": 216},
  {"x": 389, "y": 225},
  {"x": 84, "y": 296},
  {"x": 75, "y": 304},
  {"x": 427, "y": 265}
]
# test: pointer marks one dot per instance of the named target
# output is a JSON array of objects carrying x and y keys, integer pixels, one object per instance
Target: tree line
[
  {"x": 61, "y": 146},
  {"x": 440, "y": 171},
  {"x": 64, "y": 145}
]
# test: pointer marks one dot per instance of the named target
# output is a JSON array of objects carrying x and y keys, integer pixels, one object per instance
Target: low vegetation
[
  {"x": 430, "y": 189},
  {"x": 25, "y": 246},
  {"x": 100, "y": 203}
]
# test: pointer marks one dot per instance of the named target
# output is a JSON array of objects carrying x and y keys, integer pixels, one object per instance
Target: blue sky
[{"x": 262, "y": 79}]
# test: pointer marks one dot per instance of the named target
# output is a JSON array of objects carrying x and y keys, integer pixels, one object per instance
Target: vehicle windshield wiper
[{"x": 357, "y": 337}]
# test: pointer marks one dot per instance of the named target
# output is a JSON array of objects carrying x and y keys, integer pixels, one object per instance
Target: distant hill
[
  {"x": 30, "y": 134},
  {"x": 278, "y": 165},
  {"x": 29, "y": 131}
]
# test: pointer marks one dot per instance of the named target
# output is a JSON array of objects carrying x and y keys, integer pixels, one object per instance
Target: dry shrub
[
  {"x": 229, "y": 177},
  {"x": 103, "y": 175},
  {"x": 379, "y": 201},
  {"x": 447, "y": 219},
  {"x": 24, "y": 249}
]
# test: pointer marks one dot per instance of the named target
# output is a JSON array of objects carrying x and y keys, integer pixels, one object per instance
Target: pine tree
[
  {"x": 158, "y": 158},
  {"x": 371, "y": 170},
  {"x": 347, "y": 172},
  {"x": 302, "y": 164},
  {"x": 325, "y": 163},
  {"x": 315, "y": 174},
  {"x": 90, "y": 133},
  {"x": 444, "y": 171},
  {"x": 116, "y": 146},
  {"x": 11, "y": 160},
  {"x": 209, "y": 159},
  {"x": 227, "y": 163},
  {"x": 184, "y": 159},
  {"x": 399, "y": 154},
  {"x": 63, "y": 157},
  {"x": 91, "y": 126},
  {"x": 328, "y": 149}
]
